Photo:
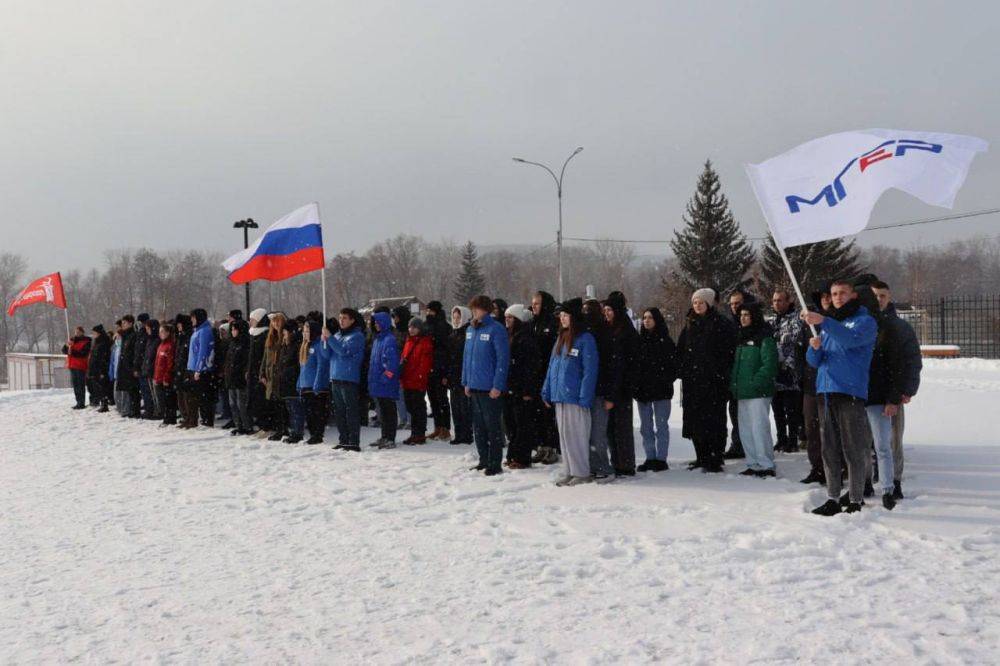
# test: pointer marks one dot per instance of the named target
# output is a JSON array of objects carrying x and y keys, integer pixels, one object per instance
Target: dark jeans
[
  {"x": 315, "y": 405},
  {"x": 225, "y": 410},
  {"x": 238, "y": 400},
  {"x": 417, "y": 407},
  {"x": 146, "y": 390},
  {"x": 167, "y": 397},
  {"x": 204, "y": 395},
  {"x": 486, "y": 424},
  {"x": 389, "y": 417},
  {"x": 79, "y": 380},
  {"x": 260, "y": 411},
  {"x": 787, "y": 406},
  {"x": 621, "y": 437},
  {"x": 438, "y": 395},
  {"x": 525, "y": 415},
  {"x": 461, "y": 411},
  {"x": 810, "y": 420},
  {"x": 346, "y": 408},
  {"x": 547, "y": 427},
  {"x": 296, "y": 415},
  {"x": 847, "y": 438}
]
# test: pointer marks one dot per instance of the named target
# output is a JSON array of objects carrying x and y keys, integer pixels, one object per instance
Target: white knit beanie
[
  {"x": 705, "y": 294},
  {"x": 518, "y": 311},
  {"x": 257, "y": 314}
]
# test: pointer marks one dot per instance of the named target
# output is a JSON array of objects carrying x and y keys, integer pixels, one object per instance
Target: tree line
[{"x": 708, "y": 250}]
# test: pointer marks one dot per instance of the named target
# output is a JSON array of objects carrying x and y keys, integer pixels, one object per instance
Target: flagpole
[
  {"x": 791, "y": 274},
  {"x": 323, "y": 270},
  {"x": 66, "y": 315}
]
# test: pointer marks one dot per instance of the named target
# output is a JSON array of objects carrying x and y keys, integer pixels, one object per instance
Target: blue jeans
[
  {"x": 486, "y": 423},
  {"x": 755, "y": 432},
  {"x": 296, "y": 415},
  {"x": 881, "y": 426},
  {"x": 655, "y": 441},
  {"x": 346, "y": 412},
  {"x": 147, "y": 395}
]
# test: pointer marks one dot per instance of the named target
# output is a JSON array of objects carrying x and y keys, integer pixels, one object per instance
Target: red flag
[{"x": 46, "y": 289}]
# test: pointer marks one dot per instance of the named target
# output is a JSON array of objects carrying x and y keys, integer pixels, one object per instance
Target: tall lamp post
[
  {"x": 246, "y": 225},
  {"x": 559, "y": 189}
]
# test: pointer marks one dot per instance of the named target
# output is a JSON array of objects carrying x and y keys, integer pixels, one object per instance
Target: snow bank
[{"x": 124, "y": 542}]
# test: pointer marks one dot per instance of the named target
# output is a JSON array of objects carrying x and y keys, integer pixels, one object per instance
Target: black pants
[
  {"x": 810, "y": 421},
  {"x": 547, "y": 427},
  {"x": 79, "y": 380},
  {"x": 167, "y": 398},
  {"x": 438, "y": 395},
  {"x": 417, "y": 407},
  {"x": 461, "y": 410},
  {"x": 621, "y": 437},
  {"x": 389, "y": 417},
  {"x": 525, "y": 417},
  {"x": 787, "y": 406},
  {"x": 317, "y": 411}
]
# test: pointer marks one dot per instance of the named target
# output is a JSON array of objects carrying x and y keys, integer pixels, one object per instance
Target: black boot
[
  {"x": 735, "y": 452},
  {"x": 315, "y": 439},
  {"x": 897, "y": 490},
  {"x": 829, "y": 508},
  {"x": 815, "y": 476},
  {"x": 869, "y": 489},
  {"x": 888, "y": 502}
]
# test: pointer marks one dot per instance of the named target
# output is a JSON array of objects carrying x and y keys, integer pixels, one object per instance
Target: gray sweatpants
[
  {"x": 573, "y": 422},
  {"x": 847, "y": 437},
  {"x": 898, "y": 422}
]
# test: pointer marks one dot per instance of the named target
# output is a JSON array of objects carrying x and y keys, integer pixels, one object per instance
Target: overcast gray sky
[{"x": 158, "y": 124}]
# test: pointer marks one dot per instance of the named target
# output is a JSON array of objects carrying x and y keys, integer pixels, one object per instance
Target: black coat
[
  {"x": 124, "y": 379},
  {"x": 181, "y": 346},
  {"x": 656, "y": 366},
  {"x": 149, "y": 360},
  {"x": 622, "y": 363},
  {"x": 139, "y": 354},
  {"x": 526, "y": 372},
  {"x": 545, "y": 328},
  {"x": 705, "y": 351},
  {"x": 100, "y": 357},
  {"x": 456, "y": 354},
  {"x": 896, "y": 362},
  {"x": 255, "y": 355},
  {"x": 288, "y": 368},
  {"x": 440, "y": 332},
  {"x": 234, "y": 372}
]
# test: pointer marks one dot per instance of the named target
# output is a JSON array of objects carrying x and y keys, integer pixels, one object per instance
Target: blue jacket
[
  {"x": 116, "y": 350},
  {"x": 385, "y": 359},
  {"x": 572, "y": 374},
  {"x": 487, "y": 356},
  {"x": 202, "y": 350},
  {"x": 345, "y": 351},
  {"x": 322, "y": 382},
  {"x": 310, "y": 369},
  {"x": 844, "y": 359}
]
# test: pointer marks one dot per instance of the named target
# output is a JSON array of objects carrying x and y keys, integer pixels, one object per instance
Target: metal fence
[{"x": 970, "y": 322}]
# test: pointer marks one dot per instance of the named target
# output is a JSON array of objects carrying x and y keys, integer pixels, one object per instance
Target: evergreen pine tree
[
  {"x": 711, "y": 250},
  {"x": 470, "y": 281},
  {"x": 813, "y": 263}
]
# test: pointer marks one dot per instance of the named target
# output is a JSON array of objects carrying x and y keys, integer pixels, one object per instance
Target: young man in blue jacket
[
  {"x": 345, "y": 350},
  {"x": 842, "y": 356},
  {"x": 201, "y": 360},
  {"x": 484, "y": 376}
]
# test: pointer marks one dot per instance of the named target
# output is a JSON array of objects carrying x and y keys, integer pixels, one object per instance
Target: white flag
[{"x": 828, "y": 187}]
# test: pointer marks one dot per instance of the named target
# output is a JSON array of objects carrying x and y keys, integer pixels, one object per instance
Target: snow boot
[
  {"x": 845, "y": 499},
  {"x": 829, "y": 508},
  {"x": 748, "y": 472},
  {"x": 493, "y": 472},
  {"x": 315, "y": 439},
  {"x": 293, "y": 439},
  {"x": 644, "y": 467},
  {"x": 897, "y": 490},
  {"x": 853, "y": 507},
  {"x": 888, "y": 502},
  {"x": 765, "y": 473},
  {"x": 815, "y": 476},
  {"x": 869, "y": 489}
]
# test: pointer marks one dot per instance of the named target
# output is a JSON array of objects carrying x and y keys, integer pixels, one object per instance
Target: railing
[{"x": 971, "y": 322}]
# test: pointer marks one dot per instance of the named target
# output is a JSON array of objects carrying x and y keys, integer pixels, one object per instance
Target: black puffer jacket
[
  {"x": 622, "y": 364},
  {"x": 288, "y": 367},
  {"x": 656, "y": 362},
  {"x": 545, "y": 326},
  {"x": 152, "y": 345},
  {"x": 527, "y": 368},
  {"x": 896, "y": 363},
  {"x": 234, "y": 371},
  {"x": 182, "y": 345},
  {"x": 456, "y": 346},
  {"x": 124, "y": 379}
]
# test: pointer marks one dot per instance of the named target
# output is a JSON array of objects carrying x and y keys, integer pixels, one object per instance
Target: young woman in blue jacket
[{"x": 570, "y": 383}]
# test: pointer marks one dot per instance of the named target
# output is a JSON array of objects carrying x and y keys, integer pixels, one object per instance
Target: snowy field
[{"x": 121, "y": 542}]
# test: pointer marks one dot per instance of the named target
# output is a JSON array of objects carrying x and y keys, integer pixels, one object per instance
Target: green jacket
[{"x": 755, "y": 368}]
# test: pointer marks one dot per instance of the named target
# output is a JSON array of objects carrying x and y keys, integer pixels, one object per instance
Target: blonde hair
[
  {"x": 304, "y": 347},
  {"x": 274, "y": 331}
]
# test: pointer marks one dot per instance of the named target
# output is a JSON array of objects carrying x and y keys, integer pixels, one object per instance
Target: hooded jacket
[
  {"x": 843, "y": 360},
  {"x": 345, "y": 352},
  {"x": 656, "y": 362},
  {"x": 527, "y": 369},
  {"x": 234, "y": 369},
  {"x": 417, "y": 362},
  {"x": 755, "y": 365},
  {"x": 623, "y": 348},
  {"x": 100, "y": 356},
  {"x": 182, "y": 346},
  {"x": 571, "y": 377},
  {"x": 896, "y": 357},
  {"x": 287, "y": 367},
  {"x": 313, "y": 366},
  {"x": 152, "y": 344},
  {"x": 126, "y": 359},
  {"x": 456, "y": 347},
  {"x": 201, "y": 353},
  {"x": 545, "y": 326},
  {"x": 486, "y": 356},
  {"x": 383, "y": 366}
]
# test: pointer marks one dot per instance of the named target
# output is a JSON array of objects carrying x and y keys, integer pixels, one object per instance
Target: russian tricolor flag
[{"x": 290, "y": 246}]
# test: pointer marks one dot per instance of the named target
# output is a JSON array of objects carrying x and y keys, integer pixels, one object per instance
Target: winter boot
[
  {"x": 443, "y": 434},
  {"x": 735, "y": 452},
  {"x": 829, "y": 508},
  {"x": 815, "y": 476},
  {"x": 853, "y": 507},
  {"x": 888, "y": 502},
  {"x": 315, "y": 439},
  {"x": 869, "y": 489},
  {"x": 897, "y": 490}
]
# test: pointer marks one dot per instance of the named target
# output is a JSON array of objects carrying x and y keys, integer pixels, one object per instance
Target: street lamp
[
  {"x": 246, "y": 225},
  {"x": 559, "y": 234}
]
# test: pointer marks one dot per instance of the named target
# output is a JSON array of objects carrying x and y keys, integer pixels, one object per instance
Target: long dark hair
[
  {"x": 567, "y": 335},
  {"x": 659, "y": 327}
]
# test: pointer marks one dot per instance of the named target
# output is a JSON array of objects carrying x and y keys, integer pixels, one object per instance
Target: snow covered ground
[{"x": 123, "y": 542}]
